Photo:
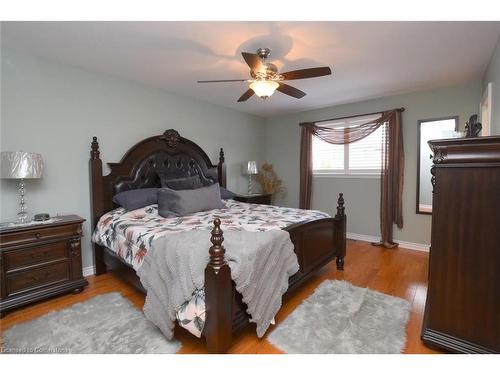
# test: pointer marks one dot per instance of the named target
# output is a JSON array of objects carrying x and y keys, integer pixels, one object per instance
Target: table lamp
[
  {"x": 21, "y": 165},
  {"x": 249, "y": 168}
]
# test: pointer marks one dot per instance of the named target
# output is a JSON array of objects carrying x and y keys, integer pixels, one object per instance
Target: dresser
[
  {"x": 40, "y": 261},
  {"x": 462, "y": 311}
]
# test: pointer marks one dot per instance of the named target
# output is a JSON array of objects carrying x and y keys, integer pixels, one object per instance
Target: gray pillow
[
  {"x": 137, "y": 198},
  {"x": 226, "y": 194},
  {"x": 185, "y": 202},
  {"x": 182, "y": 183}
]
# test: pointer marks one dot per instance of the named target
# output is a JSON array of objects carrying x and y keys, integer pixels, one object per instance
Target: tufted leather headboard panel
[
  {"x": 169, "y": 153},
  {"x": 176, "y": 165}
]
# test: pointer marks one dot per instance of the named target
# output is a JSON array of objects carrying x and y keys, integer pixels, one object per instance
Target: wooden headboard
[{"x": 169, "y": 153}]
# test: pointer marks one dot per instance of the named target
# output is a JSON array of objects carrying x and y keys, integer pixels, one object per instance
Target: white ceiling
[{"x": 368, "y": 59}]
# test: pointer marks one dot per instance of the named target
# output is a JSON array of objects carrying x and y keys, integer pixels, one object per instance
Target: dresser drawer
[
  {"x": 35, "y": 278},
  {"x": 32, "y": 256},
  {"x": 38, "y": 235}
]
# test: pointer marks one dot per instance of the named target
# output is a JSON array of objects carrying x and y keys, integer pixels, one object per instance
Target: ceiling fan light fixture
[
  {"x": 266, "y": 79},
  {"x": 264, "y": 89}
]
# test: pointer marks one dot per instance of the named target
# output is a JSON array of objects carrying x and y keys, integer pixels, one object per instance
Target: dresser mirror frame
[{"x": 421, "y": 174}]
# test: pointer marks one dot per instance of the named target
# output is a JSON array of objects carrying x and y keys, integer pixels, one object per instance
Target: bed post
[
  {"x": 341, "y": 232},
  {"x": 218, "y": 296},
  {"x": 221, "y": 169},
  {"x": 97, "y": 199}
]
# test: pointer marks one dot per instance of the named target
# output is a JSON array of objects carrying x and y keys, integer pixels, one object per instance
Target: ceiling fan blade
[
  {"x": 224, "y": 80},
  {"x": 307, "y": 73},
  {"x": 254, "y": 62},
  {"x": 247, "y": 95},
  {"x": 290, "y": 90}
]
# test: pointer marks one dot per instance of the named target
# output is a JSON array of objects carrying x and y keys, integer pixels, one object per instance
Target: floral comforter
[{"x": 131, "y": 233}]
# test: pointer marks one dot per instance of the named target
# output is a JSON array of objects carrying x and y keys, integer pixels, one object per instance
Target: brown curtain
[
  {"x": 392, "y": 172},
  {"x": 391, "y": 181},
  {"x": 305, "y": 167}
]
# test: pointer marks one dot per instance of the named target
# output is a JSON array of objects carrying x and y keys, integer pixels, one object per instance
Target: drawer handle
[{"x": 38, "y": 235}]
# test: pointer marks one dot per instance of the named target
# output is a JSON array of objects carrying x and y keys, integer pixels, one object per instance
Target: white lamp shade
[
  {"x": 20, "y": 164},
  {"x": 264, "y": 89},
  {"x": 249, "y": 167}
]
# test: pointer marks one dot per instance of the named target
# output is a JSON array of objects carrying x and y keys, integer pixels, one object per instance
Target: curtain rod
[{"x": 402, "y": 109}]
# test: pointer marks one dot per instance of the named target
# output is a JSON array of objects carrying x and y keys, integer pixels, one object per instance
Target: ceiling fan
[{"x": 266, "y": 79}]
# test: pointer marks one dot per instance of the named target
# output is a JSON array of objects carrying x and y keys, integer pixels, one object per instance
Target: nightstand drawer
[
  {"x": 35, "y": 278},
  {"x": 40, "y": 254},
  {"x": 254, "y": 198},
  {"x": 37, "y": 235}
]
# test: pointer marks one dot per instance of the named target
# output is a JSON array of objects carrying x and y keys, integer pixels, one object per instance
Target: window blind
[{"x": 361, "y": 157}]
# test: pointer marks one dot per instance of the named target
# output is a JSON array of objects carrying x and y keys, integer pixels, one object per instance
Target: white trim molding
[
  {"x": 485, "y": 109},
  {"x": 402, "y": 244},
  {"x": 88, "y": 271}
]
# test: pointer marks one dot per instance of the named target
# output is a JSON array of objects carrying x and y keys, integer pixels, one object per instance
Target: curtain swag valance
[{"x": 392, "y": 170}]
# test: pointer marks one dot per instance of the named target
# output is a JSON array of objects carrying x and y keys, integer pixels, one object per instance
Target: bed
[{"x": 317, "y": 239}]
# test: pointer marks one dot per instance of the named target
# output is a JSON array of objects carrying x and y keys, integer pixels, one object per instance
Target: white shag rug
[
  {"x": 105, "y": 324},
  {"x": 342, "y": 318}
]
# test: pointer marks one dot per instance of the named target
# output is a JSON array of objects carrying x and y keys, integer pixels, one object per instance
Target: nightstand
[
  {"x": 254, "y": 198},
  {"x": 39, "y": 261}
]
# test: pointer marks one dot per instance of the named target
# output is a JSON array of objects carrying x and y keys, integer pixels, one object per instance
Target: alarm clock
[{"x": 41, "y": 217}]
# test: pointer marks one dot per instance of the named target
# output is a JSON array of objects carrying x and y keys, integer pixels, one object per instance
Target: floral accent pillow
[{"x": 191, "y": 315}]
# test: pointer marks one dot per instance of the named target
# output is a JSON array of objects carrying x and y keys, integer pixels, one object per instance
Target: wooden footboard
[{"x": 316, "y": 243}]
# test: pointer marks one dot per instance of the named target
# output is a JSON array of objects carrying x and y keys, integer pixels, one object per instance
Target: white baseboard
[
  {"x": 404, "y": 244},
  {"x": 88, "y": 271}
]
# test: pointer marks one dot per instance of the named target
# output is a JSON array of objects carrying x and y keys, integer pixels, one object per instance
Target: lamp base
[
  {"x": 22, "y": 216},
  {"x": 250, "y": 187}
]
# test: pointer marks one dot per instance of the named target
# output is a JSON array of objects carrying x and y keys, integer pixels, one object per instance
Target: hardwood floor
[{"x": 398, "y": 272}]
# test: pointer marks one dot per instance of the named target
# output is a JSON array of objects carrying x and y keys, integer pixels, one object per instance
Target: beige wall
[{"x": 362, "y": 195}]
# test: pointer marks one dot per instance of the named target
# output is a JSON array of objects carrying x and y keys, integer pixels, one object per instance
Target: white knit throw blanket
[{"x": 261, "y": 264}]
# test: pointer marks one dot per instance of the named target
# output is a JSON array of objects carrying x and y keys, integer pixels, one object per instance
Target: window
[{"x": 360, "y": 158}]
